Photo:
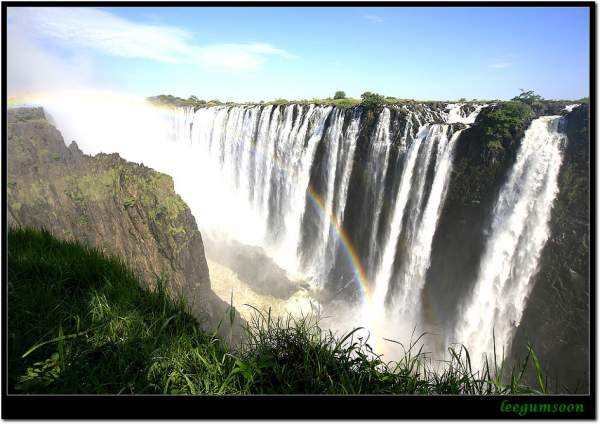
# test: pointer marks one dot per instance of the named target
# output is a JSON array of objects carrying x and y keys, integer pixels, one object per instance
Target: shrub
[
  {"x": 528, "y": 97},
  {"x": 501, "y": 123},
  {"x": 372, "y": 100}
]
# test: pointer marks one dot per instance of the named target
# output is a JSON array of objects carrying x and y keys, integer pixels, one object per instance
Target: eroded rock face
[{"x": 117, "y": 206}]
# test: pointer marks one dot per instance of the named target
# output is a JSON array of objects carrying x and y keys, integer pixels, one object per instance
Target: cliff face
[{"x": 117, "y": 206}]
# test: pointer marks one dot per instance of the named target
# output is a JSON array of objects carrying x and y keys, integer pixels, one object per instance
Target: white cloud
[
  {"x": 374, "y": 18},
  {"x": 500, "y": 65},
  {"x": 31, "y": 69},
  {"x": 87, "y": 28}
]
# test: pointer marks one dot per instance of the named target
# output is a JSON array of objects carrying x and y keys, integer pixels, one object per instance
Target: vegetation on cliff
[
  {"x": 339, "y": 99},
  {"x": 370, "y": 100},
  {"x": 503, "y": 122},
  {"x": 81, "y": 323}
]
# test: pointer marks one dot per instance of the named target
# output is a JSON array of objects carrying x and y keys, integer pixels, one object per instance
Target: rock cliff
[{"x": 119, "y": 207}]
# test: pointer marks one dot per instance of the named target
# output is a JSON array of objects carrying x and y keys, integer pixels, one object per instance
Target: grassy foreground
[{"x": 78, "y": 322}]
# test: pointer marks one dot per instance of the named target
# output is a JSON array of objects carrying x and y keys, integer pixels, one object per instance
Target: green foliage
[
  {"x": 372, "y": 100},
  {"x": 129, "y": 202},
  {"x": 500, "y": 124},
  {"x": 279, "y": 102},
  {"x": 528, "y": 97},
  {"x": 344, "y": 103},
  {"x": 339, "y": 100},
  {"x": 173, "y": 101},
  {"x": 80, "y": 323}
]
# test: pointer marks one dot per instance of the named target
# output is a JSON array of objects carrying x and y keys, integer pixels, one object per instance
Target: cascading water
[
  {"x": 417, "y": 208},
  {"x": 457, "y": 114},
  {"x": 418, "y": 261},
  {"x": 376, "y": 168},
  {"x": 266, "y": 158},
  {"x": 518, "y": 233},
  {"x": 257, "y": 160},
  {"x": 336, "y": 146}
]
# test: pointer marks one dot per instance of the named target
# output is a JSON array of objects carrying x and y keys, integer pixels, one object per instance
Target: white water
[
  {"x": 569, "y": 108},
  {"x": 377, "y": 170},
  {"x": 431, "y": 144},
  {"x": 518, "y": 233},
  {"x": 456, "y": 113},
  {"x": 420, "y": 250},
  {"x": 384, "y": 274}
]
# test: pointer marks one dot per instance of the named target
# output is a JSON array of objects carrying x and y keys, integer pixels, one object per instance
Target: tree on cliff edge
[{"x": 372, "y": 100}]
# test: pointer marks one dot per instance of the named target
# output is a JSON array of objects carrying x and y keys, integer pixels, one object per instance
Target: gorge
[{"x": 403, "y": 219}]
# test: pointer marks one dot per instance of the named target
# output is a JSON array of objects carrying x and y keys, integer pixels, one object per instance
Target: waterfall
[
  {"x": 418, "y": 260},
  {"x": 256, "y": 160},
  {"x": 417, "y": 208},
  {"x": 376, "y": 168},
  {"x": 293, "y": 179},
  {"x": 261, "y": 160},
  {"x": 384, "y": 274},
  {"x": 456, "y": 113},
  {"x": 518, "y": 233}
]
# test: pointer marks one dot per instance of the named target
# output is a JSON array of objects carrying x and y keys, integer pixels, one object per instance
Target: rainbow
[{"x": 347, "y": 246}]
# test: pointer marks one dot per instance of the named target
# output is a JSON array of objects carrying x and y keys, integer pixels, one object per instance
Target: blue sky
[{"x": 266, "y": 53}]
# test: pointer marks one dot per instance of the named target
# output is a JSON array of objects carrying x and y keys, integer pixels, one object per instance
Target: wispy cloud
[
  {"x": 88, "y": 28},
  {"x": 374, "y": 18},
  {"x": 500, "y": 65},
  {"x": 32, "y": 69}
]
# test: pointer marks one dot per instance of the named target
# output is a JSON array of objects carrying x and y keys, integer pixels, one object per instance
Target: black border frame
[{"x": 356, "y": 407}]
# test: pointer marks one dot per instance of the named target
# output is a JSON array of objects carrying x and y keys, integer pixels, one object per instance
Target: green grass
[{"x": 78, "y": 322}]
